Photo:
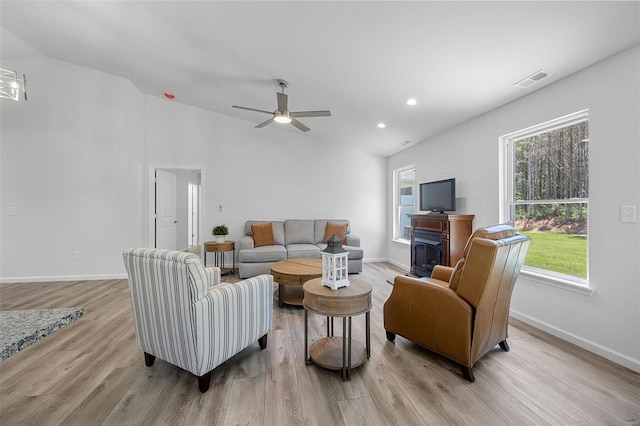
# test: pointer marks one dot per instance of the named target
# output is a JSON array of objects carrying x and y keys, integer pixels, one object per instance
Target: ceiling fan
[{"x": 283, "y": 115}]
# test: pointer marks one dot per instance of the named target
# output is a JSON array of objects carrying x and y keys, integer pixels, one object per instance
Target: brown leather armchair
[{"x": 461, "y": 312}]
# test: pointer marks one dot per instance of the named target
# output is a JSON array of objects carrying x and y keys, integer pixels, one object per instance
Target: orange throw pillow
[
  {"x": 263, "y": 235},
  {"x": 340, "y": 229}
]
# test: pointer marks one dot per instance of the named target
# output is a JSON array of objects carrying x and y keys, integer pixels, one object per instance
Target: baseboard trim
[
  {"x": 398, "y": 265},
  {"x": 387, "y": 260},
  {"x": 14, "y": 280},
  {"x": 610, "y": 354},
  {"x": 374, "y": 260}
]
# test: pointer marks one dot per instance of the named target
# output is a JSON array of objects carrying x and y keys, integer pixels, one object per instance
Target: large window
[
  {"x": 546, "y": 195},
  {"x": 404, "y": 184}
]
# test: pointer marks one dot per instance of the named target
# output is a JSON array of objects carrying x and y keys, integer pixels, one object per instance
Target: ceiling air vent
[{"x": 532, "y": 79}]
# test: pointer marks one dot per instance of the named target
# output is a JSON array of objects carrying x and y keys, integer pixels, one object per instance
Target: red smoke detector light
[{"x": 169, "y": 95}]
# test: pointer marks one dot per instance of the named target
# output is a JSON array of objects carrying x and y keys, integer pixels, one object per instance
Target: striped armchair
[{"x": 183, "y": 314}]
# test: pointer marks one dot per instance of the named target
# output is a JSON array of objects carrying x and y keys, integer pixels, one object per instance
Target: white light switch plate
[{"x": 628, "y": 214}]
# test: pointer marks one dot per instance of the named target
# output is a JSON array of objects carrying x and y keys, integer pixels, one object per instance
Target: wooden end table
[
  {"x": 219, "y": 249},
  {"x": 292, "y": 274},
  {"x": 336, "y": 352}
]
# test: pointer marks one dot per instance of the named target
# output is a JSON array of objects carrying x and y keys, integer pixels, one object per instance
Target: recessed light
[
  {"x": 381, "y": 125},
  {"x": 412, "y": 102}
]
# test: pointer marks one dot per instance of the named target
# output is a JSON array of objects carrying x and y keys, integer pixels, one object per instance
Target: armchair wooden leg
[
  {"x": 504, "y": 345},
  {"x": 391, "y": 336},
  {"x": 149, "y": 359},
  {"x": 204, "y": 381},
  {"x": 263, "y": 342},
  {"x": 467, "y": 373}
]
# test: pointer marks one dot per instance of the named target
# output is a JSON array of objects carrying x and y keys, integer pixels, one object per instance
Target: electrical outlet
[
  {"x": 628, "y": 214},
  {"x": 76, "y": 255}
]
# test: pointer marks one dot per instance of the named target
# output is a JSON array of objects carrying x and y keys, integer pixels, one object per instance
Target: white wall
[
  {"x": 71, "y": 168},
  {"x": 268, "y": 174},
  {"x": 75, "y": 162},
  {"x": 608, "y": 321}
]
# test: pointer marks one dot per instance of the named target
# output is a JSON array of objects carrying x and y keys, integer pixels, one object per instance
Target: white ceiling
[{"x": 359, "y": 59}]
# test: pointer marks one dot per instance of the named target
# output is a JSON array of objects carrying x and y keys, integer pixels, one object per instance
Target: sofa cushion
[
  {"x": 320, "y": 227},
  {"x": 277, "y": 227},
  {"x": 339, "y": 229},
  {"x": 298, "y": 231},
  {"x": 297, "y": 251},
  {"x": 263, "y": 235},
  {"x": 263, "y": 254}
]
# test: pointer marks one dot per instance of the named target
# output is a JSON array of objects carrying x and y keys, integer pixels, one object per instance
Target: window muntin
[
  {"x": 404, "y": 183},
  {"x": 547, "y": 195}
]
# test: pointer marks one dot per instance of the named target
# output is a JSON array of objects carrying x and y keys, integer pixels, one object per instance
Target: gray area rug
[{"x": 20, "y": 329}]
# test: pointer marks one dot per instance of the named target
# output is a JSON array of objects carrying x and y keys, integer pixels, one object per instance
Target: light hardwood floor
[{"x": 91, "y": 372}]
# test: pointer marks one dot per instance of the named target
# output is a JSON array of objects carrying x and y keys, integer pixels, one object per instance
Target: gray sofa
[{"x": 295, "y": 238}]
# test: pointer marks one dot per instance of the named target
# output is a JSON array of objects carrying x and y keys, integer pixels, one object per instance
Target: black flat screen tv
[{"x": 438, "y": 196}]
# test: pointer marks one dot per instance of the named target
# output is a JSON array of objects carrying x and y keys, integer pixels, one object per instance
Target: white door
[{"x": 165, "y": 210}]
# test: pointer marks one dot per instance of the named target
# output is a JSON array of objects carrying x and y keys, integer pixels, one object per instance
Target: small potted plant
[{"x": 220, "y": 233}]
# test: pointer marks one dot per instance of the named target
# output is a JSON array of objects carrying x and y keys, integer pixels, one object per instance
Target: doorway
[{"x": 175, "y": 207}]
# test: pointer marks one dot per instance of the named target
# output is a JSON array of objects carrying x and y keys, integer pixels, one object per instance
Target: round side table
[
  {"x": 337, "y": 352},
  {"x": 218, "y": 259}
]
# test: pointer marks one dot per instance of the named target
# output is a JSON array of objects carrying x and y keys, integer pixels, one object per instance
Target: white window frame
[
  {"x": 506, "y": 175},
  {"x": 396, "y": 202}
]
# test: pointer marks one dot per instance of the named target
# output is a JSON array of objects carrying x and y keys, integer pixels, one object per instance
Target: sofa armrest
[
  {"x": 213, "y": 275},
  {"x": 246, "y": 242},
  {"x": 442, "y": 273},
  {"x": 353, "y": 240}
]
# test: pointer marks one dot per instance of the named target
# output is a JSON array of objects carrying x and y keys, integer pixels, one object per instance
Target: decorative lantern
[{"x": 335, "y": 264}]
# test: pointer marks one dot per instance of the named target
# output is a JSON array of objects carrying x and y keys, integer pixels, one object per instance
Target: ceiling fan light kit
[
  {"x": 282, "y": 114},
  {"x": 282, "y": 117}
]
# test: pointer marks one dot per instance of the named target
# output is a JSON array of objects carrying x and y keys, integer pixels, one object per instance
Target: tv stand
[{"x": 437, "y": 239}]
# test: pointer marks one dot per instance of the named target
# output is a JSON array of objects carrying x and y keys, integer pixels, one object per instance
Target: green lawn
[{"x": 562, "y": 253}]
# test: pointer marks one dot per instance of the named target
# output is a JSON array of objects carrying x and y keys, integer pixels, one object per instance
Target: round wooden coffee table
[
  {"x": 337, "y": 352},
  {"x": 292, "y": 273}
]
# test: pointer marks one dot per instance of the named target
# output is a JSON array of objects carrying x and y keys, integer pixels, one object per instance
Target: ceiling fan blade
[
  {"x": 252, "y": 109},
  {"x": 283, "y": 102},
  {"x": 264, "y": 123},
  {"x": 325, "y": 113},
  {"x": 299, "y": 125}
]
